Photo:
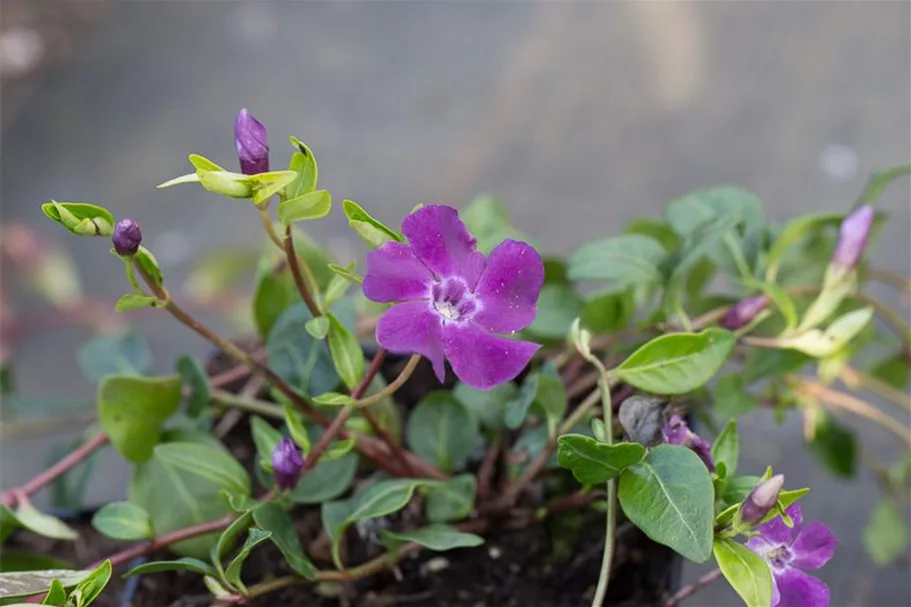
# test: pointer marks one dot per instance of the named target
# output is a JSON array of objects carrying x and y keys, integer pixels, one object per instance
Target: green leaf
[
  {"x": 298, "y": 358},
  {"x": 609, "y": 312},
  {"x": 43, "y": 524},
  {"x": 318, "y": 327},
  {"x": 380, "y": 499},
  {"x": 437, "y": 537},
  {"x": 347, "y": 355},
  {"x": 783, "y": 302},
  {"x": 333, "y": 399},
  {"x": 267, "y": 185},
  {"x": 336, "y": 289},
  {"x": 796, "y": 230},
  {"x": 452, "y": 500},
  {"x": 184, "y": 564},
  {"x": 656, "y": 230},
  {"x": 726, "y": 448},
  {"x": 303, "y": 162},
  {"x": 133, "y": 409},
  {"x": 177, "y": 497},
  {"x": 255, "y": 537},
  {"x": 442, "y": 431},
  {"x": 373, "y": 232},
  {"x": 314, "y": 205},
  {"x": 593, "y": 462},
  {"x": 768, "y": 363},
  {"x": 517, "y": 408},
  {"x": 339, "y": 448},
  {"x": 893, "y": 370},
  {"x": 488, "y": 406},
  {"x": 558, "y": 306},
  {"x": 834, "y": 445},
  {"x": 25, "y": 560},
  {"x": 731, "y": 398},
  {"x": 328, "y": 480},
  {"x": 551, "y": 397},
  {"x": 195, "y": 381},
  {"x": 265, "y": 438},
  {"x": 123, "y": 521},
  {"x": 627, "y": 259},
  {"x": 273, "y": 519},
  {"x": 14, "y": 584},
  {"x": 56, "y": 595},
  {"x": 207, "y": 462},
  {"x": 837, "y": 335},
  {"x": 678, "y": 362},
  {"x": 125, "y": 354},
  {"x": 272, "y": 296},
  {"x": 746, "y": 571},
  {"x": 132, "y": 301},
  {"x": 886, "y": 534},
  {"x": 488, "y": 221},
  {"x": 182, "y": 179},
  {"x": 144, "y": 258},
  {"x": 347, "y": 272},
  {"x": 226, "y": 541},
  {"x": 670, "y": 497},
  {"x": 737, "y": 488},
  {"x": 296, "y": 428},
  {"x": 878, "y": 182},
  {"x": 90, "y": 587},
  {"x": 81, "y": 218}
]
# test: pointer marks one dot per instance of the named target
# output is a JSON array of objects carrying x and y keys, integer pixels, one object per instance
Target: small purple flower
[
  {"x": 788, "y": 552},
  {"x": 252, "y": 144},
  {"x": 126, "y": 237},
  {"x": 454, "y": 300},
  {"x": 852, "y": 237},
  {"x": 761, "y": 500},
  {"x": 743, "y": 312},
  {"x": 676, "y": 432},
  {"x": 287, "y": 463}
]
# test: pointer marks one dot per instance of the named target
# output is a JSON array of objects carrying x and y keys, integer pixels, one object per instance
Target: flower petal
[
  {"x": 482, "y": 360},
  {"x": 814, "y": 546},
  {"x": 413, "y": 328},
  {"x": 776, "y": 532},
  {"x": 394, "y": 273},
  {"x": 776, "y": 594},
  {"x": 509, "y": 286},
  {"x": 443, "y": 243},
  {"x": 797, "y": 589}
]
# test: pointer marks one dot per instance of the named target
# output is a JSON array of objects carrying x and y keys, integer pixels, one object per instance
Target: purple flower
[
  {"x": 287, "y": 463},
  {"x": 454, "y": 300},
  {"x": 743, "y": 312},
  {"x": 788, "y": 552},
  {"x": 852, "y": 237},
  {"x": 252, "y": 144},
  {"x": 761, "y": 499},
  {"x": 126, "y": 237},
  {"x": 676, "y": 432}
]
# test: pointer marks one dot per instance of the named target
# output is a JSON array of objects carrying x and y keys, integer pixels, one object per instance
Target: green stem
[
  {"x": 248, "y": 405},
  {"x": 270, "y": 229},
  {"x": 739, "y": 260},
  {"x": 611, "y": 516}
]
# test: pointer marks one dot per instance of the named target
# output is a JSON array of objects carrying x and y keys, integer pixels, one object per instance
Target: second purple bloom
[{"x": 454, "y": 300}]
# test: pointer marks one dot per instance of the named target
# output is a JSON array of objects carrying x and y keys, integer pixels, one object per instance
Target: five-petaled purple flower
[
  {"x": 287, "y": 463},
  {"x": 788, "y": 551},
  {"x": 454, "y": 300},
  {"x": 677, "y": 432},
  {"x": 252, "y": 144},
  {"x": 852, "y": 237}
]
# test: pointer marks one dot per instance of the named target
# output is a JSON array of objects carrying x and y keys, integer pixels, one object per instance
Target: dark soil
[{"x": 552, "y": 564}]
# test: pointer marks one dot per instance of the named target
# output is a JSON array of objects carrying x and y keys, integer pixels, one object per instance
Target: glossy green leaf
[
  {"x": 132, "y": 301},
  {"x": 347, "y": 354},
  {"x": 746, "y": 571},
  {"x": 518, "y": 407},
  {"x": 769, "y": 363},
  {"x": 132, "y": 410},
  {"x": 834, "y": 445},
  {"x": 273, "y": 294},
  {"x": 195, "y": 382},
  {"x": 347, "y": 272},
  {"x": 442, "y": 431},
  {"x": 90, "y": 587},
  {"x": 278, "y": 523},
  {"x": 81, "y": 218},
  {"x": 56, "y": 595},
  {"x": 180, "y": 180},
  {"x": 255, "y": 537},
  {"x": 339, "y": 448},
  {"x": 149, "y": 264},
  {"x": 436, "y": 537},
  {"x": 334, "y": 399},
  {"x": 206, "y": 462},
  {"x": 677, "y": 363},
  {"x": 452, "y": 500},
  {"x": 783, "y": 302},
  {"x": 886, "y": 534},
  {"x": 14, "y": 584},
  {"x": 124, "y": 354},
  {"x": 878, "y": 182},
  {"x": 184, "y": 564},
  {"x": 488, "y": 406},
  {"x": 296, "y": 428},
  {"x": 43, "y": 524},
  {"x": 626, "y": 259},
  {"x": 592, "y": 462},
  {"x": 823, "y": 343},
  {"x": 265, "y": 438},
  {"x": 373, "y": 232},
  {"x": 609, "y": 312},
  {"x": 558, "y": 306},
  {"x": 298, "y": 358},
  {"x": 330, "y": 478},
  {"x": 737, "y": 488},
  {"x": 318, "y": 327},
  {"x": 336, "y": 289},
  {"x": 25, "y": 560},
  {"x": 313, "y": 205},
  {"x": 123, "y": 521},
  {"x": 731, "y": 398},
  {"x": 656, "y": 230},
  {"x": 303, "y": 162},
  {"x": 669, "y": 496},
  {"x": 726, "y": 448},
  {"x": 267, "y": 185},
  {"x": 796, "y": 230}
]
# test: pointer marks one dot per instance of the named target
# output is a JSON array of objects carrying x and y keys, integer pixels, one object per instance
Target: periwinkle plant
[{"x": 543, "y": 350}]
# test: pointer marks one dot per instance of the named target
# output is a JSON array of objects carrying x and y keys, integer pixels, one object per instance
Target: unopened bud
[
  {"x": 287, "y": 463},
  {"x": 761, "y": 500},
  {"x": 677, "y": 432},
  {"x": 743, "y": 312},
  {"x": 852, "y": 237},
  {"x": 127, "y": 237},
  {"x": 252, "y": 144}
]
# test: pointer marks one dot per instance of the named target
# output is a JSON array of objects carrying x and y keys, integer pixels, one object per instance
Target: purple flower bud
[
  {"x": 743, "y": 313},
  {"x": 852, "y": 237},
  {"x": 127, "y": 236},
  {"x": 761, "y": 500},
  {"x": 287, "y": 463},
  {"x": 252, "y": 144},
  {"x": 676, "y": 432}
]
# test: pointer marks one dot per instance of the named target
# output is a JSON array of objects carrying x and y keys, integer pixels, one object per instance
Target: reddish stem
[{"x": 294, "y": 266}]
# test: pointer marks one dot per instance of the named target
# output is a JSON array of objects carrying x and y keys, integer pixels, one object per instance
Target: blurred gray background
[{"x": 580, "y": 116}]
